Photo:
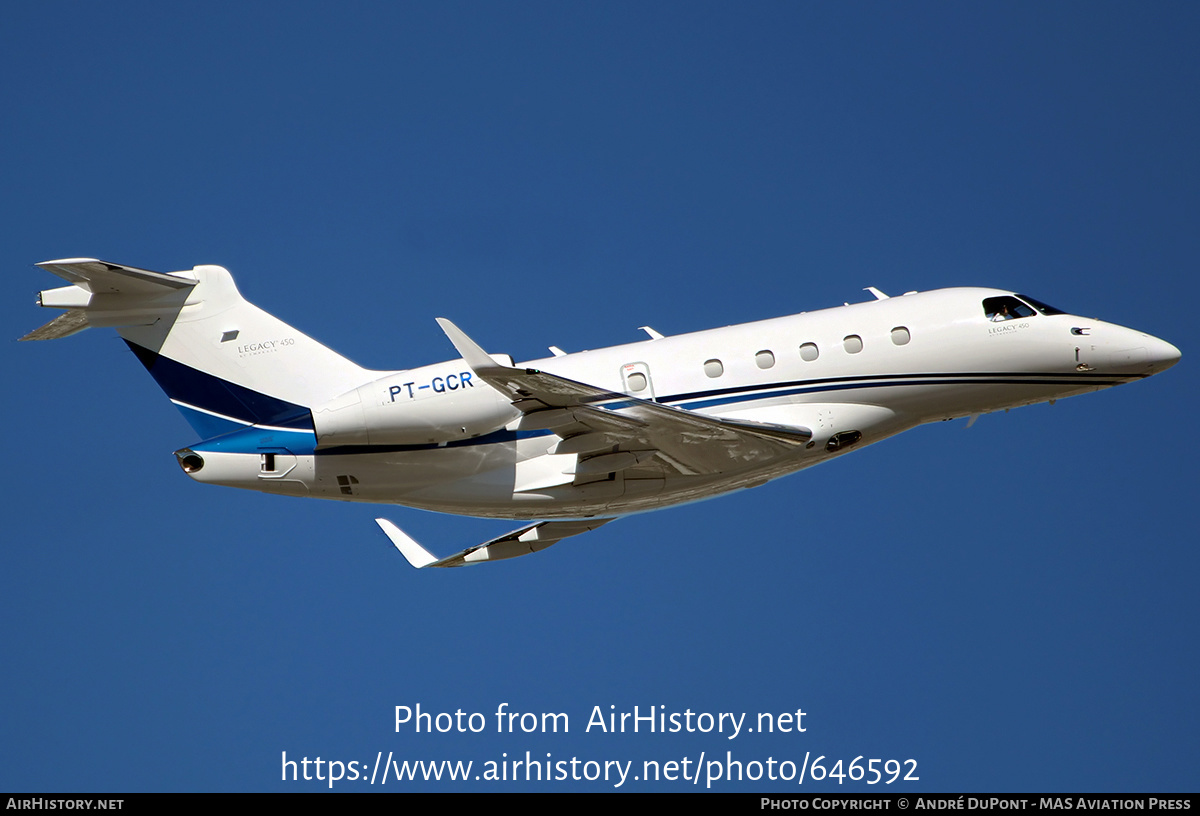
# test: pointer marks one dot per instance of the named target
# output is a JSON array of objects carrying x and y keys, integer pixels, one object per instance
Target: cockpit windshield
[
  {"x": 1012, "y": 307},
  {"x": 1007, "y": 307},
  {"x": 1044, "y": 308}
]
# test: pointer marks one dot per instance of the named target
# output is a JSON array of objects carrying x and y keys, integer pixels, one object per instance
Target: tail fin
[{"x": 223, "y": 361}]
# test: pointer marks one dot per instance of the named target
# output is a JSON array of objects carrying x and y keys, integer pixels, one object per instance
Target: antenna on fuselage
[{"x": 878, "y": 295}]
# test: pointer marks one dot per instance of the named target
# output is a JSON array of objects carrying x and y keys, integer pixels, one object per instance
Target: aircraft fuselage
[{"x": 440, "y": 438}]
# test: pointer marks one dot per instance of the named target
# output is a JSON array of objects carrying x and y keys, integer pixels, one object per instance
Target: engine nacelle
[{"x": 430, "y": 405}]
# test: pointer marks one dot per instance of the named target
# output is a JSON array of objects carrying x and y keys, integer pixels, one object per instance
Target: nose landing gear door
[{"x": 636, "y": 379}]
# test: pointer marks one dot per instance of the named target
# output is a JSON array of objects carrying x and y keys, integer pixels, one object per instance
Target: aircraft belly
[
  {"x": 481, "y": 482},
  {"x": 936, "y": 402},
  {"x": 482, "y": 472},
  {"x": 519, "y": 477}
]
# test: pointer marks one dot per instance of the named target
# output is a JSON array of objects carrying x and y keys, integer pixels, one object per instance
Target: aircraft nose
[
  {"x": 1161, "y": 354},
  {"x": 1121, "y": 350}
]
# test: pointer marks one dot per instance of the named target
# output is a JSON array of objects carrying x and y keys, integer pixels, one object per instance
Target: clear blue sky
[{"x": 561, "y": 174}]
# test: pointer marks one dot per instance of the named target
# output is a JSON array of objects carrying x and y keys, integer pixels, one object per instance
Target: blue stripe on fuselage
[
  {"x": 233, "y": 438},
  {"x": 733, "y": 395},
  {"x": 730, "y": 396},
  {"x": 255, "y": 439}
]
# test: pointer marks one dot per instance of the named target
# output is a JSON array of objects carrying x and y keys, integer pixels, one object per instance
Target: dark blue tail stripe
[{"x": 211, "y": 393}]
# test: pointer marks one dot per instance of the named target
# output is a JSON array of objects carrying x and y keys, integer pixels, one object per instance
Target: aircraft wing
[
  {"x": 613, "y": 431},
  {"x": 524, "y": 541}
]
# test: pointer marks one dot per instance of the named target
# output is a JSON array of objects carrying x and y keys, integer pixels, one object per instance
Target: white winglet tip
[
  {"x": 413, "y": 552},
  {"x": 471, "y": 351}
]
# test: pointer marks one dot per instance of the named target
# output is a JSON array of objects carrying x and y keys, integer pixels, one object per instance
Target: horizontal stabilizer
[
  {"x": 102, "y": 277},
  {"x": 524, "y": 541},
  {"x": 108, "y": 294},
  {"x": 64, "y": 325}
]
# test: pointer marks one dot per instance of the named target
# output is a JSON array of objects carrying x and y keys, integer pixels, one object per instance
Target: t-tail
[{"x": 224, "y": 362}]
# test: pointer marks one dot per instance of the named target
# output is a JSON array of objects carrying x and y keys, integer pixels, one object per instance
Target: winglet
[
  {"x": 413, "y": 552},
  {"x": 524, "y": 541},
  {"x": 471, "y": 351}
]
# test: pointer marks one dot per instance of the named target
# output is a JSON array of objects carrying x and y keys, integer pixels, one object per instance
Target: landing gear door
[
  {"x": 636, "y": 379},
  {"x": 1085, "y": 352}
]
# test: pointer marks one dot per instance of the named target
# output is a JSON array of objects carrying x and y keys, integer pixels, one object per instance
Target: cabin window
[
  {"x": 900, "y": 336},
  {"x": 636, "y": 381},
  {"x": 764, "y": 359},
  {"x": 809, "y": 352},
  {"x": 713, "y": 368},
  {"x": 852, "y": 343},
  {"x": 999, "y": 309}
]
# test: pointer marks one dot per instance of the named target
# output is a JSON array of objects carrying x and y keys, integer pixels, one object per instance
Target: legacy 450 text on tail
[{"x": 575, "y": 440}]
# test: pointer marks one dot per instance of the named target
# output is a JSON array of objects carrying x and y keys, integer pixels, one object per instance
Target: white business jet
[{"x": 576, "y": 440}]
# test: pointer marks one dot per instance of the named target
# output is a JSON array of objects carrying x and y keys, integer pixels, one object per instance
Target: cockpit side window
[
  {"x": 1044, "y": 308},
  {"x": 1007, "y": 307}
]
